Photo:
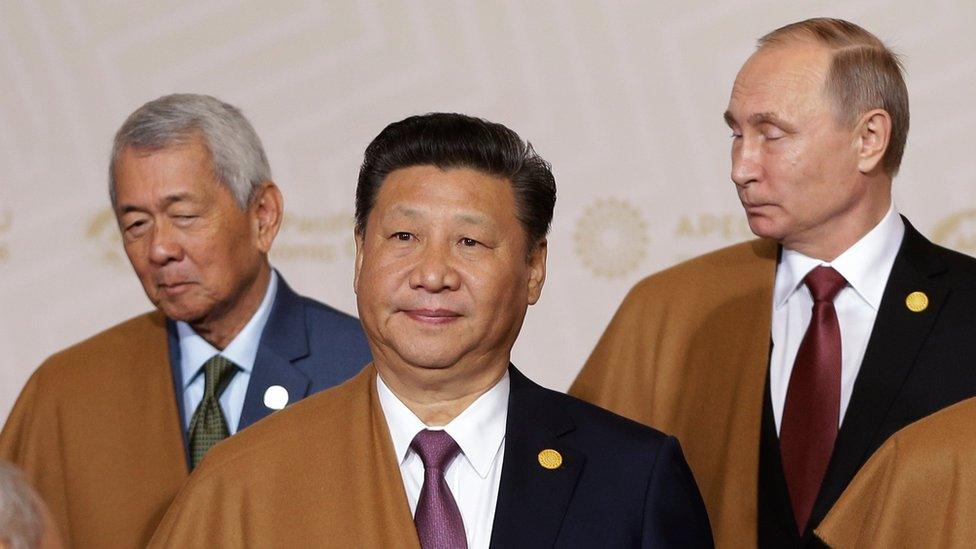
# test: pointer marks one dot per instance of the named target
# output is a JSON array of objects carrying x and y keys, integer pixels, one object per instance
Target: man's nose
[
  {"x": 165, "y": 245},
  {"x": 746, "y": 165},
  {"x": 435, "y": 271}
]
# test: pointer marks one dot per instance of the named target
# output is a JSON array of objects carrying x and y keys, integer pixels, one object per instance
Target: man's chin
[
  {"x": 429, "y": 360},
  {"x": 431, "y": 363},
  {"x": 764, "y": 227},
  {"x": 179, "y": 312}
]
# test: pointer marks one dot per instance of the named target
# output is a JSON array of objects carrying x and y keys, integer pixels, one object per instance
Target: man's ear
[
  {"x": 873, "y": 136},
  {"x": 537, "y": 271},
  {"x": 267, "y": 211},
  {"x": 359, "y": 260}
]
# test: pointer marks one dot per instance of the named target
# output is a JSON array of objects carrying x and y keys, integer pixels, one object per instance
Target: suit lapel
[
  {"x": 173, "y": 344},
  {"x": 532, "y": 500},
  {"x": 895, "y": 342},
  {"x": 283, "y": 342}
]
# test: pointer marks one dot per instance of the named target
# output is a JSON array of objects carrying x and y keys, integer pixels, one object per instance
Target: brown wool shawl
[
  {"x": 917, "y": 490},
  {"x": 687, "y": 353},
  {"x": 97, "y": 431},
  {"x": 321, "y": 473}
]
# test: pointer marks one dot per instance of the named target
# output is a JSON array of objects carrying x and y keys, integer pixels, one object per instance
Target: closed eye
[
  {"x": 184, "y": 220},
  {"x": 772, "y": 132},
  {"x": 135, "y": 225}
]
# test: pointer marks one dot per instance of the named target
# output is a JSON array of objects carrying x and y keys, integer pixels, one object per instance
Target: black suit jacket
[
  {"x": 915, "y": 364},
  {"x": 621, "y": 484}
]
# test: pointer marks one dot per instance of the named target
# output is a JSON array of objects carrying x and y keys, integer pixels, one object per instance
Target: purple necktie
[
  {"x": 812, "y": 410},
  {"x": 438, "y": 518}
]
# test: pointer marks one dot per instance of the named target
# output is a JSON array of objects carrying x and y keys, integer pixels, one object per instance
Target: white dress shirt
[
  {"x": 242, "y": 350},
  {"x": 474, "y": 475},
  {"x": 866, "y": 266}
]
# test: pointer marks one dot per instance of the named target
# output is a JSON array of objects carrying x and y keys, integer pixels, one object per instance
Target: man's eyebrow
[
  {"x": 729, "y": 120},
  {"x": 768, "y": 118},
  {"x": 167, "y": 200},
  {"x": 407, "y": 211},
  {"x": 759, "y": 118},
  {"x": 473, "y": 219}
]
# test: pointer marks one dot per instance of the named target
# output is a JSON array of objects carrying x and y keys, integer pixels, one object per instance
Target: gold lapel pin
[
  {"x": 917, "y": 302},
  {"x": 550, "y": 459}
]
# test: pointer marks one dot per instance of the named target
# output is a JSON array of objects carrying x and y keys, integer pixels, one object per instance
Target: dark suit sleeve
[{"x": 674, "y": 513}]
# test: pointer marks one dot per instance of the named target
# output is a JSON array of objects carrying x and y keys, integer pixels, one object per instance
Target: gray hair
[
  {"x": 21, "y": 518},
  {"x": 236, "y": 153}
]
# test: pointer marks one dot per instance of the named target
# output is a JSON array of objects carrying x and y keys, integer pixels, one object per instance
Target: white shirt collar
[
  {"x": 242, "y": 350},
  {"x": 479, "y": 430},
  {"x": 865, "y": 265}
]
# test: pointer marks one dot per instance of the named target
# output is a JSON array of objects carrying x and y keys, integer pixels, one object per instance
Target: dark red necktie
[{"x": 812, "y": 411}]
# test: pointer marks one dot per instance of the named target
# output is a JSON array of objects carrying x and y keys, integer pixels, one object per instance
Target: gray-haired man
[{"x": 108, "y": 429}]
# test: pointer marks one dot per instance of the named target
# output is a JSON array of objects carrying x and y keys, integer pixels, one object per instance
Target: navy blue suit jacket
[
  {"x": 306, "y": 347},
  {"x": 621, "y": 484}
]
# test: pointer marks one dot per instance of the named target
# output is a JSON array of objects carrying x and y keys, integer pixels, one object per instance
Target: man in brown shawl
[
  {"x": 783, "y": 363},
  {"x": 441, "y": 442}
]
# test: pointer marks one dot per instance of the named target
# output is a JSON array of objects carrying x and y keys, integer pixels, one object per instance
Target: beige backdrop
[{"x": 624, "y": 98}]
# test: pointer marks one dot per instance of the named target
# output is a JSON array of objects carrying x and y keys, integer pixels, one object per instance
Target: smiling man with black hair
[{"x": 441, "y": 442}]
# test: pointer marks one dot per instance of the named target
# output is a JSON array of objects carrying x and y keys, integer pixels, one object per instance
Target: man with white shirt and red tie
[
  {"x": 784, "y": 362},
  {"x": 441, "y": 443}
]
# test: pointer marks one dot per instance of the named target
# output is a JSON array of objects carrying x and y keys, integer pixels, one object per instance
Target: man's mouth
[
  {"x": 755, "y": 206},
  {"x": 432, "y": 316},
  {"x": 174, "y": 288}
]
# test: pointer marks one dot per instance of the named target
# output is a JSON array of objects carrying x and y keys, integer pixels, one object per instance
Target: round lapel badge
[
  {"x": 276, "y": 397},
  {"x": 550, "y": 459},
  {"x": 917, "y": 302}
]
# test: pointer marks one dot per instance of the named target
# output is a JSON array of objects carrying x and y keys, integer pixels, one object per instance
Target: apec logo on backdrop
[
  {"x": 315, "y": 239},
  {"x": 612, "y": 236},
  {"x": 310, "y": 239},
  {"x": 103, "y": 232},
  {"x": 726, "y": 228}
]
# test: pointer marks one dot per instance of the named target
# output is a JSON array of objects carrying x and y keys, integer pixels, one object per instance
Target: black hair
[{"x": 450, "y": 140}]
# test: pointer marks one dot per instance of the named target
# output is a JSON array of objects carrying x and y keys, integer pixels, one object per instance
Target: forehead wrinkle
[
  {"x": 777, "y": 91},
  {"x": 768, "y": 117},
  {"x": 469, "y": 218},
  {"x": 799, "y": 68}
]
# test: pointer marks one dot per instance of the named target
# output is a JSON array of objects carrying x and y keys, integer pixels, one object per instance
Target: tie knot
[
  {"x": 435, "y": 448},
  {"x": 824, "y": 283},
  {"x": 217, "y": 373}
]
